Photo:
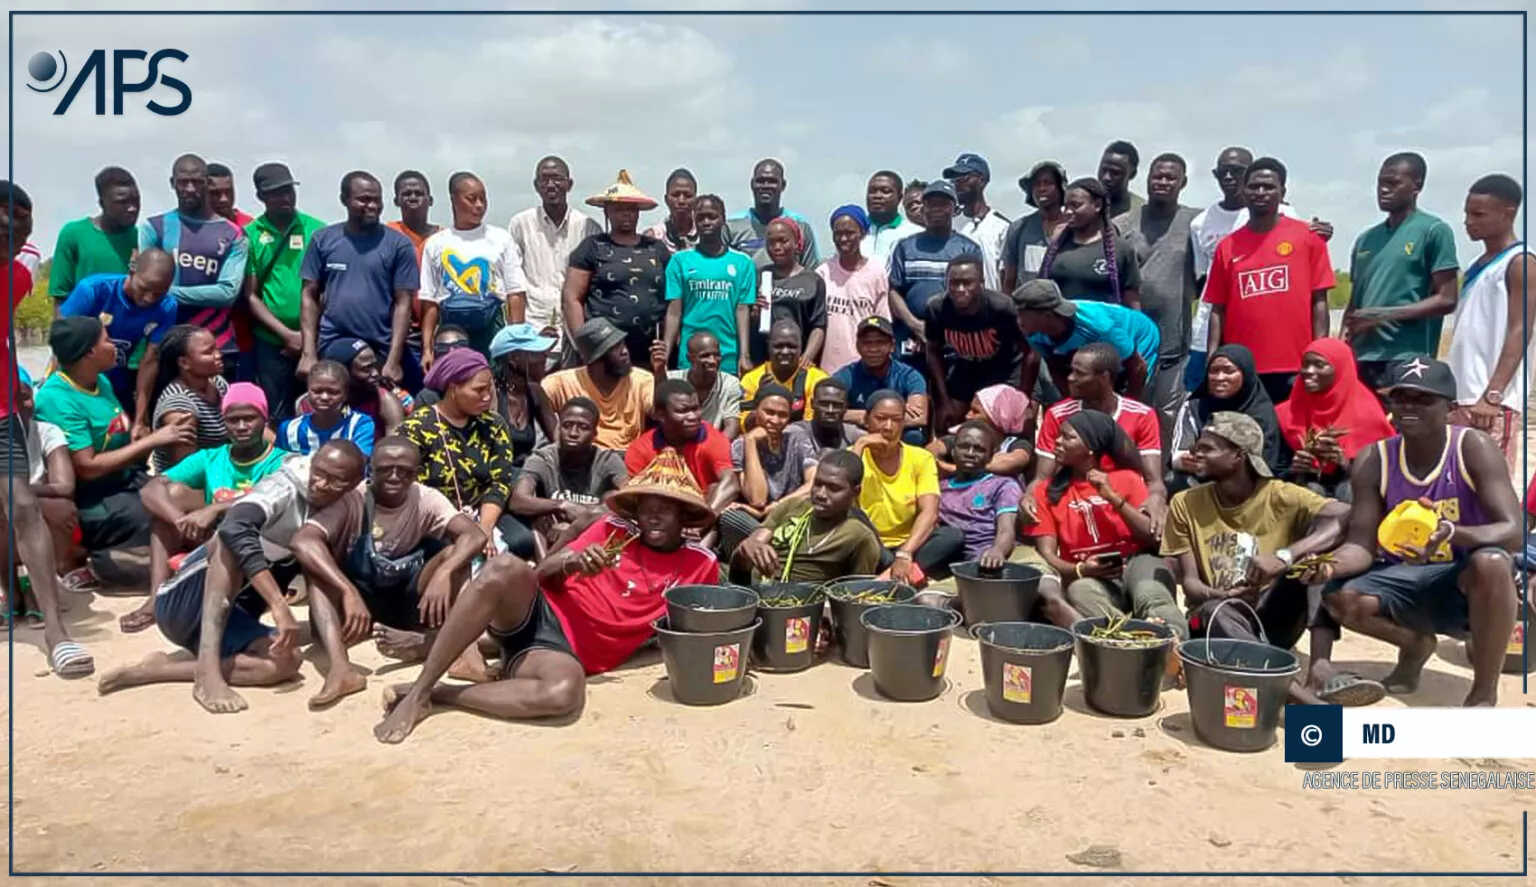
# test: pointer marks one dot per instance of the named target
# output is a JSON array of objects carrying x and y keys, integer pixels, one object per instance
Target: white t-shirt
[
  {"x": 1478, "y": 331},
  {"x": 879, "y": 242},
  {"x": 990, "y": 232},
  {"x": 42, "y": 439},
  {"x": 1206, "y": 232},
  {"x": 482, "y": 261}
]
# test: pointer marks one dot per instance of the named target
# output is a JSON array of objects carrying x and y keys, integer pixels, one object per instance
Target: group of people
[{"x": 443, "y": 428}]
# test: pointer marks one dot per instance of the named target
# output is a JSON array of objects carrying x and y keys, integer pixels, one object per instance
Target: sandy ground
[
  {"x": 808, "y": 772},
  {"x": 805, "y": 773}
]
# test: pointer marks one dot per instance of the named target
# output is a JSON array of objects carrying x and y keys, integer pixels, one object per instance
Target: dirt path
[{"x": 808, "y": 773}]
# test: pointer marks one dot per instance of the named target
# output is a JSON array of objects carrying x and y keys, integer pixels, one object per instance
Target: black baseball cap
[
  {"x": 1421, "y": 373},
  {"x": 876, "y": 322},
  {"x": 271, "y": 176}
]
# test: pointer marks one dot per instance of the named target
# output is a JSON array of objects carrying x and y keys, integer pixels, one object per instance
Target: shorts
[
  {"x": 13, "y": 447},
  {"x": 541, "y": 630},
  {"x": 1420, "y": 597},
  {"x": 179, "y": 607},
  {"x": 116, "y": 521}
]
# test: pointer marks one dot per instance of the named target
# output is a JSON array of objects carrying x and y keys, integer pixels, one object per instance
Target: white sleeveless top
[{"x": 1478, "y": 331}]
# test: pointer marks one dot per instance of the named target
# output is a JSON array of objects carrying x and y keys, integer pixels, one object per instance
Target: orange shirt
[{"x": 417, "y": 242}]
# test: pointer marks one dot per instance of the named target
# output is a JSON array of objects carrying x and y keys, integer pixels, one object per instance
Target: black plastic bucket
[
  {"x": 1237, "y": 690},
  {"x": 1025, "y": 667},
  {"x": 847, "y": 630},
  {"x": 710, "y": 608},
  {"x": 705, "y": 668},
  {"x": 790, "y": 616},
  {"x": 1120, "y": 679},
  {"x": 1008, "y": 595},
  {"x": 908, "y": 649}
]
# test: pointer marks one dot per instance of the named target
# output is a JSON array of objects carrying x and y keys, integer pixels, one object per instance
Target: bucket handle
[{"x": 1209, "y": 622}]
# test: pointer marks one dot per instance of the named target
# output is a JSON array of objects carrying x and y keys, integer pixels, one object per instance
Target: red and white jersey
[{"x": 1138, "y": 420}]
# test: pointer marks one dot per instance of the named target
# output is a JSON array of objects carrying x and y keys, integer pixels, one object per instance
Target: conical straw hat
[
  {"x": 622, "y": 191},
  {"x": 666, "y": 476}
]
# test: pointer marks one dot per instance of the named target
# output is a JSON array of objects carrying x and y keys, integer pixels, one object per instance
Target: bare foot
[
  {"x": 339, "y": 683},
  {"x": 1480, "y": 699},
  {"x": 470, "y": 666},
  {"x": 1410, "y": 663},
  {"x": 217, "y": 697},
  {"x": 404, "y": 646},
  {"x": 130, "y": 675},
  {"x": 402, "y": 713},
  {"x": 138, "y": 620}
]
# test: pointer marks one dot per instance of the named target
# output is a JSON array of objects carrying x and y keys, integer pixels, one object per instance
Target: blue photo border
[{"x": 14, "y": 14}]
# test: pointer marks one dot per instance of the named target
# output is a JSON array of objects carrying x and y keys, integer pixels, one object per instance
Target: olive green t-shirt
[
  {"x": 1224, "y": 540},
  {"x": 848, "y": 549}
]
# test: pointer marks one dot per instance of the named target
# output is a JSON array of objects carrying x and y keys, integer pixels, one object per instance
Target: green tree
[
  {"x": 1338, "y": 298},
  {"x": 35, "y": 312}
]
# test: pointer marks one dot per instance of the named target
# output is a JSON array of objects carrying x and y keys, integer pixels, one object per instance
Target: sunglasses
[
  {"x": 1231, "y": 169},
  {"x": 441, "y": 348}
]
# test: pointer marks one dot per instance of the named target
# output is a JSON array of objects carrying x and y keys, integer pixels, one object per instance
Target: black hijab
[
  {"x": 1103, "y": 436},
  {"x": 1251, "y": 400}
]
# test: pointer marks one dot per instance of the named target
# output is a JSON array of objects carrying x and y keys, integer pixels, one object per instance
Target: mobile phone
[{"x": 1111, "y": 559}]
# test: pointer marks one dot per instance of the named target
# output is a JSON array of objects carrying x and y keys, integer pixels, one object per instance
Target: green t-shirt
[
  {"x": 281, "y": 286},
  {"x": 90, "y": 420},
  {"x": 711, "y": 288},
  {"x": 84, "y": 249},
  {"x": 1392, "y": 267},
  {"x": 849, "y": 549},
  {"x": 220, "y": 476}
]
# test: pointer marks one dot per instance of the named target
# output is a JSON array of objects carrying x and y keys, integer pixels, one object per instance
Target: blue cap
[
  {"x": 940, "y": 188},
  {"x": 519, "y": 337},
  {"x": 969, "y": 163}
]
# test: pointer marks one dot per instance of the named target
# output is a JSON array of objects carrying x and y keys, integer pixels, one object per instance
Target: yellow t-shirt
[
  {"x": 890, "y": 501},
  {"x": 800, "y": 408},
  {"x": 621, "y": 415},
  {"x": 1224, "y": 540}
]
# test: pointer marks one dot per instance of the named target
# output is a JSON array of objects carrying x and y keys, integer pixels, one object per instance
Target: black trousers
[{"x": 275, "y": 374}]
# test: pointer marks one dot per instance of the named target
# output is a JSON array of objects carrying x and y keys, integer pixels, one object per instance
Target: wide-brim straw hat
[
  {"x": 622, "y": 191},
  {"x": 667, "y": 476}
]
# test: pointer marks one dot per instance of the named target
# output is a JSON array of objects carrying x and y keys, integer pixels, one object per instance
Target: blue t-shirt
[
  {"x": 711, "y": 289},
  {"x": 918, "y": 266},
  {"x": 359, "y": 274},
  {"x": 1130, "y": 332},
  {"x": 898, "y": 377},
  {"x": 130, "y": 327},
  {"x": 299, "y": 434}
]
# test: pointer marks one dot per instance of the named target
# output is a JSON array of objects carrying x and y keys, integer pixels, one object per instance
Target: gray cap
[
  {"x": 596, "y": 338},
  {"x": 941, "y": 188},
  {"x": 1241, "y": 431},
  {"x": 1043, "y": 295}
]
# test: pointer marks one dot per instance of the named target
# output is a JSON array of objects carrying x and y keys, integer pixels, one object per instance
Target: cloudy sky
[{"x": 835, "y": 97}]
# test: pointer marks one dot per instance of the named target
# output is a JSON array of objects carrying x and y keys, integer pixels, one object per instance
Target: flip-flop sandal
[
  {"x": 1352, "y": 691},
  {"x": 34, "y": 619},
  {"x": 135, "y": 622},
  {"x": 70, "y": 660}
]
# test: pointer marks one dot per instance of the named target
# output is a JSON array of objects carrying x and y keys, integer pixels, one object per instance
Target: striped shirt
[
  {"x": 299, "y": 435},
  {"x": 178, "y": 398},
  {"x": 546, "y": 253}
]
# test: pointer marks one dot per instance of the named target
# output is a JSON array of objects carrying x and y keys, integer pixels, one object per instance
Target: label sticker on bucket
[
  {"x": 1516, "y": 641},
  {"x": 1241, "y": 707},
  {"x": 797, "y": 634},
  {"x": 727, "y": 662},
  {"x": 941, "y": 656},
  {"x": 1018, "y": 682}
]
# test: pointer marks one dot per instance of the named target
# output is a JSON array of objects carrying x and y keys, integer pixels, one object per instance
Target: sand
[{"x": 807, "y": 773}]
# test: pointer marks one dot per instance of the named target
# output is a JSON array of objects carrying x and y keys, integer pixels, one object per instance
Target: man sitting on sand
[
  {"x": 588, "y": 608},
  {"x": 186, "y": 503},
  {"x": 561, "y": 488},
  {"x": 397, "y": 555},
  {"x": 1463, "y": 579},
  {"x": 815, "y": 540},
  {"x": 212, "y": 605},
  {"x": 1232, "y": 543}
]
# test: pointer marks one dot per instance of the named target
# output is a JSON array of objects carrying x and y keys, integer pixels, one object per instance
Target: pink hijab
[{"x": 1005, "y": 407}]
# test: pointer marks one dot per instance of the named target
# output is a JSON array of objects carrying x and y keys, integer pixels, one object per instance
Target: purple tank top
[{"x": 1448, "y": 487}]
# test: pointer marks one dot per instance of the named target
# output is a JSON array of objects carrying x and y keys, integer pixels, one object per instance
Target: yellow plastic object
[{"x": 1411, "y": 523}]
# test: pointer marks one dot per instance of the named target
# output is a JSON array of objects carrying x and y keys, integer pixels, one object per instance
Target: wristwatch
[
  {"x": 1286, "y": 557},
  {"x": 1494, "y": 398}
]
